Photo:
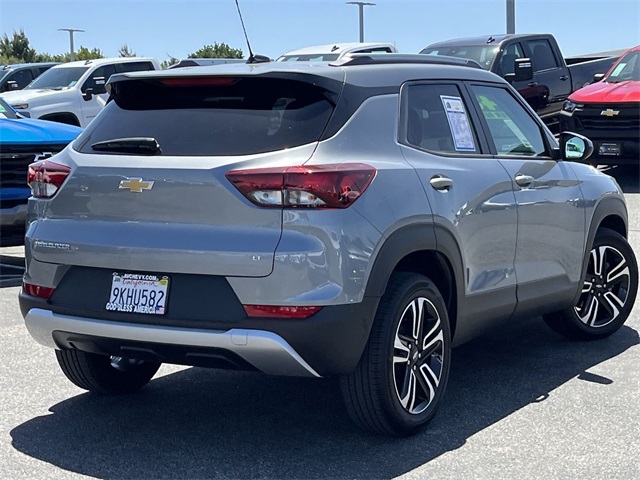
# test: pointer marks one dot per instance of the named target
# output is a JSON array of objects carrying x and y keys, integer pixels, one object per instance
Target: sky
[{"x": 164, "y": 28}]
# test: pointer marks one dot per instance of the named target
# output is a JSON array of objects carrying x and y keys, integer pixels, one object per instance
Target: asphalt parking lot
[{"x": 521, "y": 403}]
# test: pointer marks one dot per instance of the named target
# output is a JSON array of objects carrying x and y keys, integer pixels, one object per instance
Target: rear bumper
[
  {"x": 263, "y": 350},
  {"x": 328, "y": 343}
]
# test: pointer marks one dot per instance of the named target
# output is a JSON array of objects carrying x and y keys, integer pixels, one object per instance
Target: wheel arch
[
  {"x": 62, "y": 117},
  {"x": 426, "y": 249},
  {"x": 611, "y": 213}
]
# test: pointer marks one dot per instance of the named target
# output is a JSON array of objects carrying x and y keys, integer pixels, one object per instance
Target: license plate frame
[{"x": 134, "y": 292}]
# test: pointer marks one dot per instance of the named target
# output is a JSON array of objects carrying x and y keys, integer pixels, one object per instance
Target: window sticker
[{"x": 458, "y": 123}]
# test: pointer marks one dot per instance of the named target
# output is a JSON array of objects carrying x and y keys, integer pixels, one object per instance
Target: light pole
[
  {"x": 511, "y": 16},
  {"x": 72, "y": 55},
  {"x": 361, "y": 6}
]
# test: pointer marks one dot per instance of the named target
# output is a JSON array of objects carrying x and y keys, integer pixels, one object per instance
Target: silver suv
[{"x": 356, "y": 219}]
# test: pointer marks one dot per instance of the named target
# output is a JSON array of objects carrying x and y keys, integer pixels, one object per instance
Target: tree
[
  {"x": 84, "y": 53},
  {"x": 124, "y": 51},
  {"x": 17, "y": 47},
  {"x": 217, "y": 50},
  {"x": 167, "y": 63}
]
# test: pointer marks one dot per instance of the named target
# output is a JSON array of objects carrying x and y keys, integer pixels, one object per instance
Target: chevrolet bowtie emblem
[
  {"x": 609, "y": 113},
  {"x": 136, "y": 184}
]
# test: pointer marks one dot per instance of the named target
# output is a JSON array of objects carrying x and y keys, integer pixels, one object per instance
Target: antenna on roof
[{"x": 252, "y": 58}]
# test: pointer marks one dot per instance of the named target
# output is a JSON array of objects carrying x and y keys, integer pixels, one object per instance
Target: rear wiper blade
[{"x": 139, "y": 145}]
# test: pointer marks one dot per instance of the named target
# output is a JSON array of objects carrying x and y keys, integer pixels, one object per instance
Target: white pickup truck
[
  {"x": 334, "y": 51},
  {"x": 73, "y": 92}
]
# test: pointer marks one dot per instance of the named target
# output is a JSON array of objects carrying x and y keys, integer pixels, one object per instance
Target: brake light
[
  {"x": 46, "y": 177},
  {"x": 273, "y": 311},
  {"x": 37, "y": 290},
  {"x": 314, "y": 186}
]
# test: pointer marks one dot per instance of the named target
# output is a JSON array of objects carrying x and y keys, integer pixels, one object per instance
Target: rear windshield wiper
[{"x": 139, "y": 145}]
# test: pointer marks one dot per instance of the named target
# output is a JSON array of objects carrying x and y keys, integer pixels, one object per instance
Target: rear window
[{"x": 236, "y": 116}]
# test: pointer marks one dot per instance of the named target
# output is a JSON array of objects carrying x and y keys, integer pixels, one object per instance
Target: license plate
[
  {"x": 610, "y": 149},
  {"x": 138, "y": 293}
]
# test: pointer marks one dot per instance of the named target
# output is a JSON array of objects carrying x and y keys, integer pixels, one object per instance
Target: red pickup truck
[{"x": 608, "y": 113}]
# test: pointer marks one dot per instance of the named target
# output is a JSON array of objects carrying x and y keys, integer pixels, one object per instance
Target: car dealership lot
[{"x": 521, "y": 402}]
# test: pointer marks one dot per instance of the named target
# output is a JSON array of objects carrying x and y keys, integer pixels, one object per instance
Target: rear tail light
[
  {"x": 37, "y": 290},
  {"x": 46, "y": 177},
  {"x": 315, "y": 186},
  {"x": 273, "y": 311}
]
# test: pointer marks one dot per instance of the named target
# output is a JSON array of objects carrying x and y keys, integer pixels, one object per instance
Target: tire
[
  {"x": 105, "y": 374},
  {"x": 608, "y": 292},
  {"x": 402, "y": 374}
]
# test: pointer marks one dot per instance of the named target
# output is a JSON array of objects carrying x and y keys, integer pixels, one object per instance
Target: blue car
[{"x": 23, "y": 141}]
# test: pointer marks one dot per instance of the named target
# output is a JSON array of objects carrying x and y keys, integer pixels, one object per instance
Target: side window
[
  {"x": 542, "y": 55},
  {"x": 22, "y": 77},
  {"x": 436, "y": 119},
  {"x": 509, "y": 57},
  {"x": 135, "y": 66},
  {"x": 99, "y": 78},
  {"x": 511, "y": 127},
  {"x": 42, "y": 70}
]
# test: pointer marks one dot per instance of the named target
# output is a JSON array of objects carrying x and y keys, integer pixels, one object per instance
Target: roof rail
[{"x": 398, "y": 58}]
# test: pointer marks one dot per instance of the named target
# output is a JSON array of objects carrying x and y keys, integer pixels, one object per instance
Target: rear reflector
[
  {"x": 37, "y": 290},
  {"x": 272, "y": 311},
  {"x": 314, "y": 186},
  {"x": 46, "y": 177}
]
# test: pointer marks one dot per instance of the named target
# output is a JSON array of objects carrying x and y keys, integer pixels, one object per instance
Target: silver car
[{"x": 356, "y": 219}]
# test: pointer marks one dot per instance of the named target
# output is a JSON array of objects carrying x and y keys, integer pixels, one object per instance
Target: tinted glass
[
  {"x": 437, "y": 119},
  {"x": 248, "y": 116},
  {"x": 512, "y": 129},
  {"x": 508, "y": 59},
  {"x": 99, "y": 78},
  {"x": 484, "y": 55},
  {"x": 627, "y": 69},
  {"x": 22, "y": 77},
  {"x": 58, "y": 78},
  {"x": 542, "y": 55},
  {"x": 135, "y": 66}
]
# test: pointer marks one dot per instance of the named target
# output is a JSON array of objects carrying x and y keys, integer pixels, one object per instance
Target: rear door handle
[
  {"x": 532, "y": 84},
  {"x": 440, "y": 182},
  {"x": 524, "y": 180},
  {"x": 564, "y": 77}
]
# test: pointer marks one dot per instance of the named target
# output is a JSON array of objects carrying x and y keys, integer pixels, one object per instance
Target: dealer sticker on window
[
  {"x": 458, "y": 123},
  {"x": 138, "y": 293}
]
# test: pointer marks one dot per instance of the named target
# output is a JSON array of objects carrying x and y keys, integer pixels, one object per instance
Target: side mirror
[
  {"x": 598, "y": 76},
  {"x": 87, "y": 94},
  {"x": 523, "y": 71},
  {"x": 13, "y": 85},
  {"x": 99, "y": 85},
  {"x": 575, "y": 147}
]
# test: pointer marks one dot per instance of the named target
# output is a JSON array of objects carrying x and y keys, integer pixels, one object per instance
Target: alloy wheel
[
  {"x": 418, "y": 355},
  {"x": 606, "y": 287}
]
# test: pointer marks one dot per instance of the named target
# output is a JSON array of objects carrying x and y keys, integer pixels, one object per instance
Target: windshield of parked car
[
  {"x": 483, "y": 54},
  {"x": 628, "y": 68},
  {"x": 6, "y": 111},
  {"x": 201, "y": 116},
  {"x": 315, "y": 57},
  {"x": 58, "y": 78}
]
